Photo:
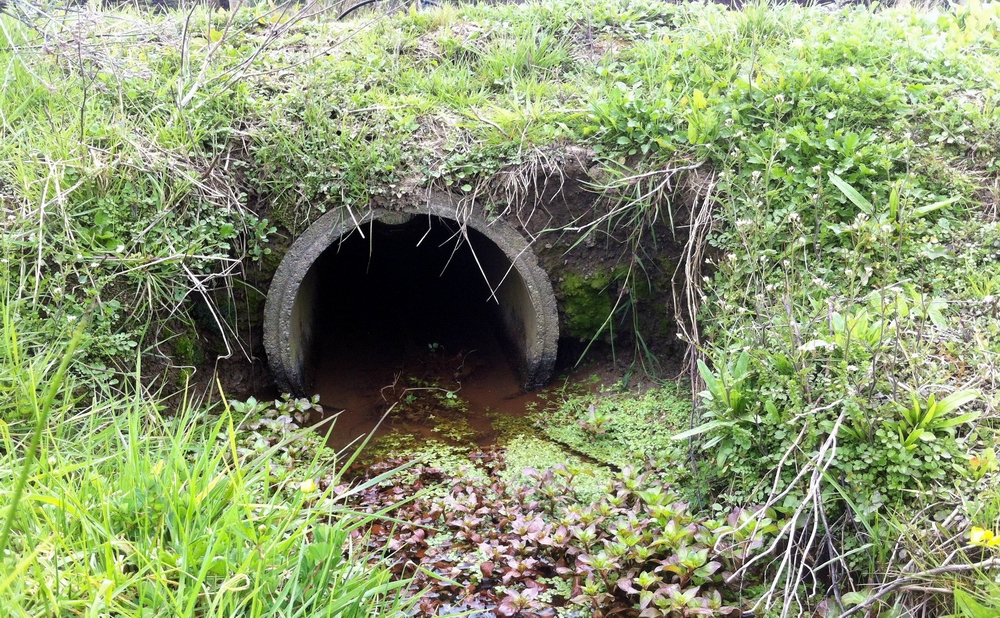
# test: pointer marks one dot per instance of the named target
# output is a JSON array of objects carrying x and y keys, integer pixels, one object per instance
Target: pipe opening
[
  {"x": 407, "y": 298},
  {"x": 387, "y": 298}
]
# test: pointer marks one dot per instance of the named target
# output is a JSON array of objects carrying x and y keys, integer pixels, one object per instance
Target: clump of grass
[{"x": 128, "y": 512}]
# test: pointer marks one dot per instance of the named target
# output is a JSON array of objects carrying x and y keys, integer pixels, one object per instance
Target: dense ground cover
[{"x": 833, "y": 173}]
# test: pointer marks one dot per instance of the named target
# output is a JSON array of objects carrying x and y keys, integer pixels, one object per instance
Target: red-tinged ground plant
[{"x": 526, "y": 551}]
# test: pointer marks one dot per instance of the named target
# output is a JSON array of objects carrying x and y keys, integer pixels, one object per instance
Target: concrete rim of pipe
[{"x": 526, "y": 301}]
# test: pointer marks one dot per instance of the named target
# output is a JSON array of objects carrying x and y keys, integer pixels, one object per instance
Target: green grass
[{"x": 129, "y": 512}]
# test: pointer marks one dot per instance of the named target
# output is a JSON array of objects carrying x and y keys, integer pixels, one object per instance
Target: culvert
[{"x": 466, "y": 268}]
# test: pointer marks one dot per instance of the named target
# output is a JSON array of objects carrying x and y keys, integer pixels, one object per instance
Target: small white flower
[
  {"x": 780, "y": 98},
  {"x": 817, "y": 169}
]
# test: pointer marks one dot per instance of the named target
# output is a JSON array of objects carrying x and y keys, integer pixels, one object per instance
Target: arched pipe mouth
[{"x": 519, "y": 289}]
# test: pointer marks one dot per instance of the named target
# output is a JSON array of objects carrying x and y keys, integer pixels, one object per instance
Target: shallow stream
[{"x": 457, "y": 382}]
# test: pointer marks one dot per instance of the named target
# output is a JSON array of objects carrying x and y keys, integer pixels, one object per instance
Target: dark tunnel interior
[{"x": 404, "y": 302}]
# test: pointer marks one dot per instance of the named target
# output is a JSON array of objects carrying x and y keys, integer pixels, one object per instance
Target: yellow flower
[
  {"x": 983, "y": 538},
  {"x": 307, "y": 487}
]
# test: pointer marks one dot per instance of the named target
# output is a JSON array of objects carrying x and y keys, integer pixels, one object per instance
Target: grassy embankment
[{"x": 838, "y": 170}]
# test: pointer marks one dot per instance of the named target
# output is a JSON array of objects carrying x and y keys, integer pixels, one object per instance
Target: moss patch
[
  {"x": 586, "y": 303},
  {"x": 589, "y": 479},
  {"x": 621, "y": 430},
  {"x": 187, "y": 350}
]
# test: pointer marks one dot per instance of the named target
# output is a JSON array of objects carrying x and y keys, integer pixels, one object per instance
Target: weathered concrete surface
[{"x": 524, "y": 295}]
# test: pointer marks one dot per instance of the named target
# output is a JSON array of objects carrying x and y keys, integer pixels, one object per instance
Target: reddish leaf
[{"x": 625, "y": 584}]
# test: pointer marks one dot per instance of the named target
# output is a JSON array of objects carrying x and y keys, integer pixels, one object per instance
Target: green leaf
[
  {"x": 933, "y": 252},
  {"x": 970, "y": 607},
  {"x": 742, "y": 364},
  {"x": 710, "y": 380},
  {"x": 698, "y": 100},
  {"x": 854, "y": 598},
  {"x": 958, "y": 420},
  {"x": 934, "y": 312},
  {"x": 700, "y": 429},
  {"x": 711, "y": 442},
  {"x": 955, "y": 401},
  {"x": 923, "y": 210},
  {"x": 902, "y": 307},
  {"x": 864, "y": 205},
  {"x": 692, "y": 132},
  {"x": 916, "y": 434},
  {"x": 838, "y": 322},
  {"x": 912, "y": 413}
]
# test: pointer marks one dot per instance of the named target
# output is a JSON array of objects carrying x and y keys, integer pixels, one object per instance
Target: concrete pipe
[{"x": 519, "y": 291}]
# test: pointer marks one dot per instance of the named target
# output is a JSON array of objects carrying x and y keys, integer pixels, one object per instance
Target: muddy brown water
[{"x": 364, "y": 382}]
